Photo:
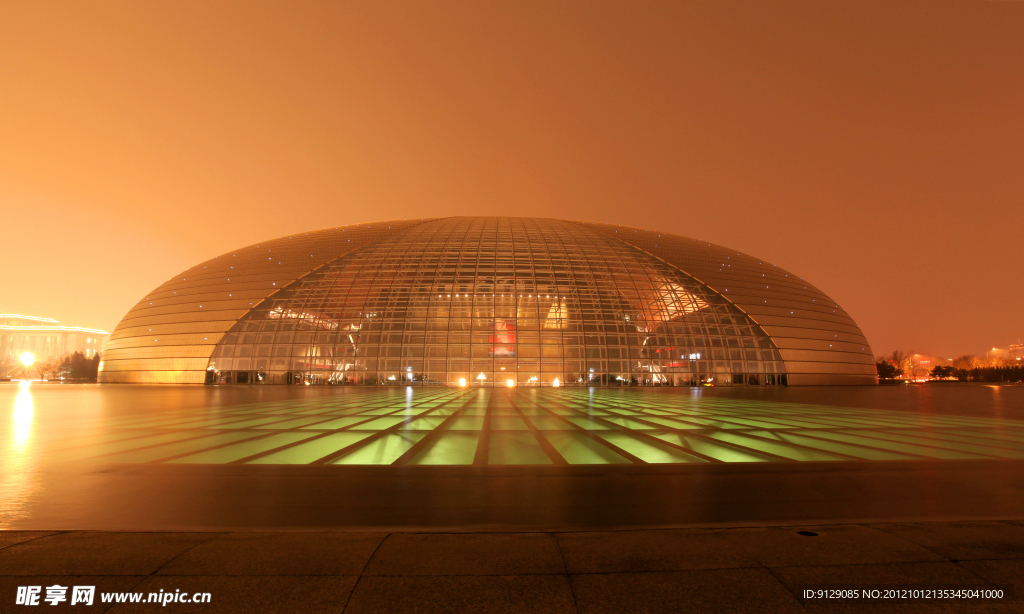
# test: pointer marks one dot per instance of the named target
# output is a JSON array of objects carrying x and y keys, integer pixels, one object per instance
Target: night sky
[{"x": 875, "y": 149}]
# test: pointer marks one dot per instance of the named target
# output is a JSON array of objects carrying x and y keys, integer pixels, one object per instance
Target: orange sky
[{"x": 875, "y": 150}]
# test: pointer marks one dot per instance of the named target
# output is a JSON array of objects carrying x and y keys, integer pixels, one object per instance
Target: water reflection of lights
[
  {"x": 17, "y": 461},
  {"x": 23, "y": 411}
]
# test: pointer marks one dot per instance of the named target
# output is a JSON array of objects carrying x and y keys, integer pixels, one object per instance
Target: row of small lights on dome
[
  {"x": 510, "y": 383},
  {"x": 502, "y": 296}
]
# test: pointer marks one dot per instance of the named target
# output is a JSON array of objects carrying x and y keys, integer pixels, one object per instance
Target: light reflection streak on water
[
  {"x": 407, "y": 408},
  {"x": 23, "y": 411},
  {"x": 17, "y": 461}
]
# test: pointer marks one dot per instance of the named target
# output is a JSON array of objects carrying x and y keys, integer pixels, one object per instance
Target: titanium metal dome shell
[{"x": 490, "y": 301}]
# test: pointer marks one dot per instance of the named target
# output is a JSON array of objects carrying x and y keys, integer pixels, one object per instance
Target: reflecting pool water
[
  {"x": 52, "y": 424},
  {"x": 154, "y": 457}
]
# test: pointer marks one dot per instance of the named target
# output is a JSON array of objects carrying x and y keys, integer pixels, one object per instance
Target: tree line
[
  {"x": 75, "y": 366},
  {"x": 979, "y": 374},
  {"x": 967, "y": 368}
]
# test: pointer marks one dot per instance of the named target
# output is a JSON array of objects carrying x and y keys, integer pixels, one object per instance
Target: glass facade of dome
[{"x": 488, "y": 301}]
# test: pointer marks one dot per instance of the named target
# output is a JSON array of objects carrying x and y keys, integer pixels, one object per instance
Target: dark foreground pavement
[
  {"x": 749, "y": 569},
  {"x": 184, "y": 498}
]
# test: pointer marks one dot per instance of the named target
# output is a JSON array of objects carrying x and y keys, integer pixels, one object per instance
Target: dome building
[{"x": 487, "y": 301}]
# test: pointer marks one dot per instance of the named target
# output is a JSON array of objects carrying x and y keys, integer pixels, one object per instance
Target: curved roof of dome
[{"x": 172, "y": 333}]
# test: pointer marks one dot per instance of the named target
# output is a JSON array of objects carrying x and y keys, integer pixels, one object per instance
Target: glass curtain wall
[{"x": 497, "y": 302}]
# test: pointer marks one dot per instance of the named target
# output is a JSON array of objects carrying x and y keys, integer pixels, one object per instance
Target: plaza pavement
[{"x": 742, "y": 569}]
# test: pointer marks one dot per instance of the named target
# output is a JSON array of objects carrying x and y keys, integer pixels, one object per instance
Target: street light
[{"x": 27, "y": 359}]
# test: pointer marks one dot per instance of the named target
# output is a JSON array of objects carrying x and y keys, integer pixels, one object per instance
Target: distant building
[
  {"x": 998, "y": 355},
  {"x": 921, "y": 366},
  {"x": 1017, "y": 351},
  {"x": 45, "y": 338}
]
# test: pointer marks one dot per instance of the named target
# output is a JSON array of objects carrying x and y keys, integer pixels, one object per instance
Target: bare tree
[
  {"x": 903, "y": 362},
  {"x": 48, "y": 368},
  {"x": 963, "y": 362}
]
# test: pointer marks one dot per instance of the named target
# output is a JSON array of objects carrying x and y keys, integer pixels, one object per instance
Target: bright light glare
[
  {"x": 556, "y": 383},
  {"x": 27, "y": 358},
  {"x": 462, "y": 382},
  {"x": 481, "y": 377},
  {"x": 510, "y": 383}
]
